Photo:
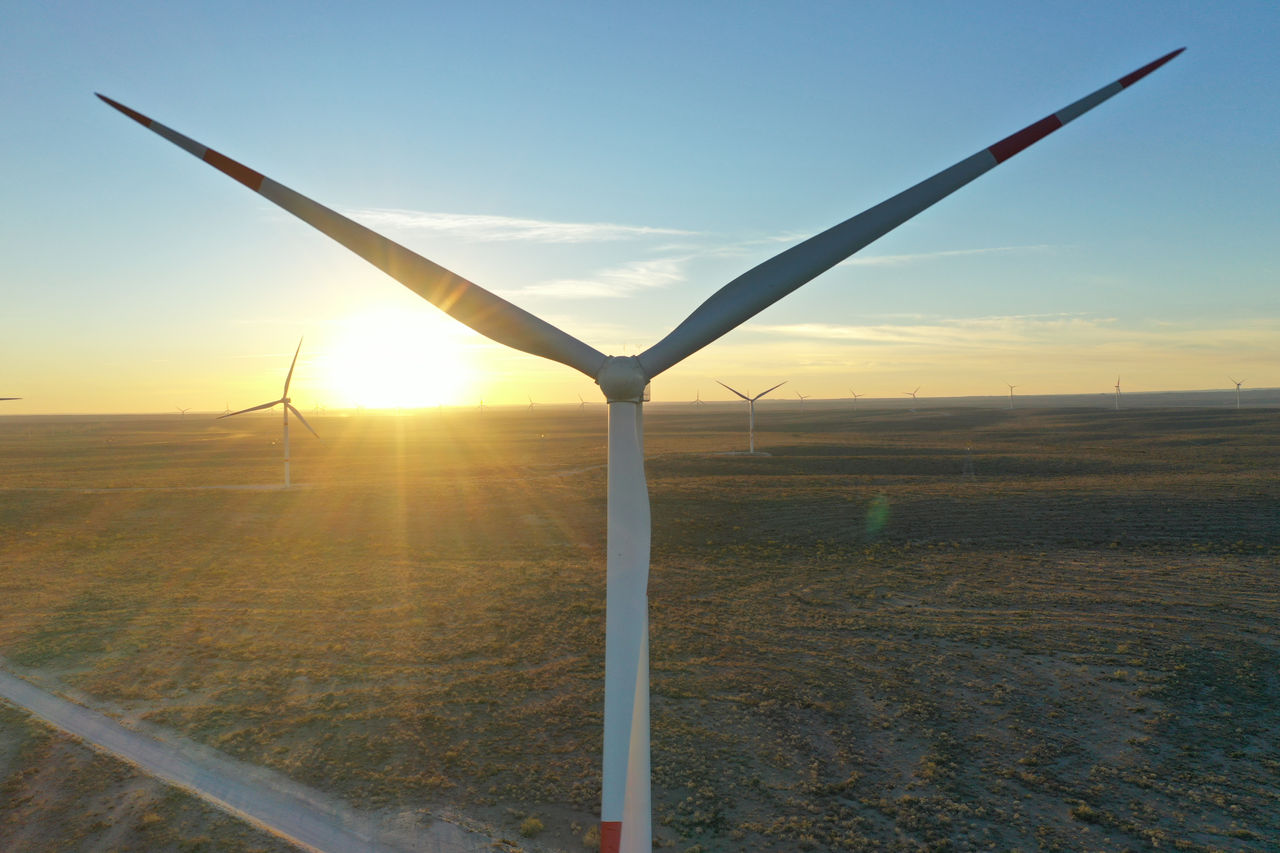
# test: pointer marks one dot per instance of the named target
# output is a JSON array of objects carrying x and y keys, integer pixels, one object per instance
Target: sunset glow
[{"x": 386, "y": 358}]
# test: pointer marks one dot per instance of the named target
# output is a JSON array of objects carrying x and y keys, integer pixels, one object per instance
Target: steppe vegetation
[{"x": 935, "y": 630}]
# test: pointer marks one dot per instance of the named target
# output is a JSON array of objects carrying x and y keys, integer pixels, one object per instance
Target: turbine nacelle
[{"x": 622, "y": 378}]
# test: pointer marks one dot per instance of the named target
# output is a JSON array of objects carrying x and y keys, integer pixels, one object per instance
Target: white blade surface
[
  {"x": 289, "y": 377},
  {"x": 250, "y": 409},
  {"x": 757, "y": 289},
  {"x": 774, "y": 388},
  {"x": 468, "y": 303},
  {"x": 299, "y": 416},
  {"x": 735, "y": 390}
]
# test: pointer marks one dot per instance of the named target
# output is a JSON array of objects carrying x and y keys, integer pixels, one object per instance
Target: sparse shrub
[
  {"x": 530, "y": 827},
  {"x": 1087, "y": 813}
]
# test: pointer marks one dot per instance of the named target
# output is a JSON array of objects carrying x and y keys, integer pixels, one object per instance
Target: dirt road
[{"x": 308, "y": 818}]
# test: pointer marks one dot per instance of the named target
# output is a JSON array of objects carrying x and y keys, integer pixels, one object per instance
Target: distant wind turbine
[
  {"x": 1117, "y": 393},
  {"x": 1011, "y": 387},
  {"x": 182, "y": 410},
  {"x": 625, "y": 810},
  {"x": 751, "y": 412},
  {"x": 855, "y": 397},
  {"x": 582, "y": 404},
  {"x": 802, "y": 398},
  {"x": 697, "y": 400},
  {"x": 912, "y": 395},
  {"x": 288, "y": 407},
  {"x": 1238, "y": 384}
]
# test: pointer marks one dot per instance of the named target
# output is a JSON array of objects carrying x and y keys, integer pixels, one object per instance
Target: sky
[{"x": 608, "y": 167}]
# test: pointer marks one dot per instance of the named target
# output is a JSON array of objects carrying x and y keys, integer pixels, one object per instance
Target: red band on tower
[{"x": 610, "y": 836}]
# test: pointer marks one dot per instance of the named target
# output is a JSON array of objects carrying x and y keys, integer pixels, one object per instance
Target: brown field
[{"x": 952, "y": 629}]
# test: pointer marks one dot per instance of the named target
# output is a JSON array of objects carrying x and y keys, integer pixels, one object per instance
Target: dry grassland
[{"x": 942, "y": 630}]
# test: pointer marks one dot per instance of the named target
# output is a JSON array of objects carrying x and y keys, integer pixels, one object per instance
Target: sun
[{"x": 387, "y": 358}]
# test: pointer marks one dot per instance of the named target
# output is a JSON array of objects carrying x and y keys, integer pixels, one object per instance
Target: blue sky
[{"x": 608, "y": 168}]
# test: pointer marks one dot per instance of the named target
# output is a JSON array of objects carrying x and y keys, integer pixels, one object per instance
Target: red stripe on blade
[
  {"x": 1010, "y": 145},
  {"x": 241, "y": 173},
  {"x": 1129, "y": 79},
  {"x": 610, "y": 836},
  {"x": 133, "y": 114}
]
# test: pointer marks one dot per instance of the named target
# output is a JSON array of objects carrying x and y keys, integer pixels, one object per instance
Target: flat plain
[{"x": 955, "y": 628}]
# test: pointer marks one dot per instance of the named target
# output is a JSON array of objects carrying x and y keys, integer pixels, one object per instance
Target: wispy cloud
[
  {"x": 614, "y": 282},
  {"x": 899, "y": 260},
  {"x": 951, "y": 332},
  {"x": 486, "y": 228}
]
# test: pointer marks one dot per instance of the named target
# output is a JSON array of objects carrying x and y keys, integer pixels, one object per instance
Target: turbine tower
[
  {"x": 1117, "y": 393},
  {"x": 1238, "y": 384},
  {"x": 1011, "y": 387},
  {"x": 288, "y": 407},
  {"x": 625, "y": 799},
  {"x": 751, "y": 412}
]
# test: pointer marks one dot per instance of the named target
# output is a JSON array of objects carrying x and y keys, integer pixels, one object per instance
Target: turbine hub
[{"x": 622, "y": 379}]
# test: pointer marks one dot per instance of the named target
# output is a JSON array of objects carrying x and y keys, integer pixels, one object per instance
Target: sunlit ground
[{"x": 942, "y": 629}]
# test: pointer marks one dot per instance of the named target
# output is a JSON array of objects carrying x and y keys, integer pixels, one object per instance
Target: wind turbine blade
[
  {"x": 251, "y": 409},
  {"x": 758, "y": 288},
  {"x": 468, "y": 303},
  {"x": 10, "y": 398},
  {"x": 734, "y": 390},
  {"x": 289, "y": 378},
  {"x": 299, "y": 416},
  {"x": 774, "y": 388}
]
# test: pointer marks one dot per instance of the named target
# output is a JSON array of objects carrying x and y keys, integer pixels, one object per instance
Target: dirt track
[{"x": 298, "y": 814}]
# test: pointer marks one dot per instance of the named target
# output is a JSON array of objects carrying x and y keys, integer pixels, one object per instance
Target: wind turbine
[
  {"x": 912, "y": 395},
  {"x": 288, "y": 407},
  {"x": 1011, "y": 387},
  {"x": 625, "y": 799},
  {"x": 582, "y": 404},
  {"x": 855, "y": 397},
  {"x": 802, "y": 398},
  {"x": 182, "y": 411},
  {"x": 697, "y": 400},
  {"x": 1238, "y": 384},
  {"x": 1117, "y": 393},
  {"x": 751, "y": 412}
]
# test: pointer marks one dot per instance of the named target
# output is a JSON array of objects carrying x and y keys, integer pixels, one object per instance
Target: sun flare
[{"x": 386, "y": 358}]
